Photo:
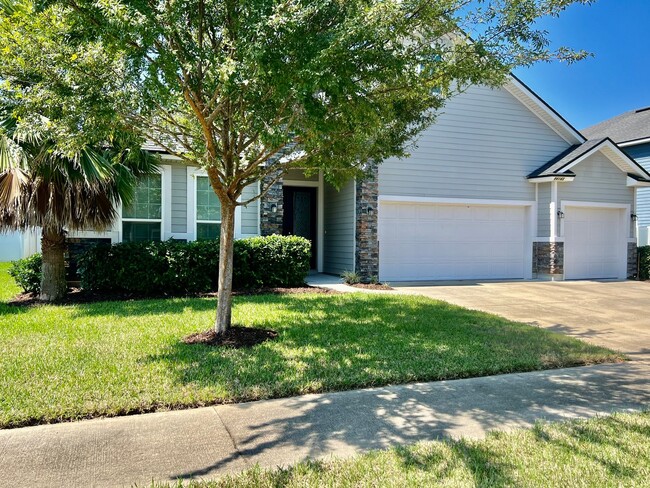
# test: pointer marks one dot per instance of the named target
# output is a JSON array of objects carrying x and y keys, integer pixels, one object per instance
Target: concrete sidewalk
[{"x": 207, "y": 442}]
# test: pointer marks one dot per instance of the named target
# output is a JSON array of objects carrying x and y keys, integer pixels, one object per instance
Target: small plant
[
  {"x": 351, "y": 277},
  {"x": 27, "y": 273},
  {"x": 374, "y": 280},
  {"x": 644, "y": 263}
]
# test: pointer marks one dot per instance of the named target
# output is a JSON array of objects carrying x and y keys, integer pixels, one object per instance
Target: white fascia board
[
  {"x": 634, "y": 142},
  {"x": 454, "y": 201},
  {"x": 547, "y": 179},
  {"x": 631, "y": 182},
  {"x": 534, "y": 103},
  {"x": 622, "y": 158}
]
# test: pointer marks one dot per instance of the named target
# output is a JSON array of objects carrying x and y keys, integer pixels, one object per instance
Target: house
[
  {"x": 631, "y": 132},
  {"x": 501, "y": 187}
]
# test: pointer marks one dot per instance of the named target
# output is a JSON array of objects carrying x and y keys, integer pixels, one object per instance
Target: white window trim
[
  {"x": 192, "y": 221},
  {"x": 165, "y": 171}
]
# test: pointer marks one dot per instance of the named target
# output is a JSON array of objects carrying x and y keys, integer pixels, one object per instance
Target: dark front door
[{"x": 300, "y": 215}]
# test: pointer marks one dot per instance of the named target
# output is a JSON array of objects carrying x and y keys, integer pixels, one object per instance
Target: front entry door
[{"x": 300, "y": 215}]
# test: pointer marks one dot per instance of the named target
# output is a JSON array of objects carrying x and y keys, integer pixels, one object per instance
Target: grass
[
  {"x": 601, "y": 452},
  {"x": 111, "y": 358}
]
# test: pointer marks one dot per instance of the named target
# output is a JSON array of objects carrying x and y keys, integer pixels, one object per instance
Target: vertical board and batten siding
[
  {"x": 179, "y": 198},
  {"x": 250, "y": 213},
  {"x": 544, "y": 210},
  {"x": 482, "y": 145},
  {"x": 339, "y": 245},
  {"x": 641, "y": 154}
]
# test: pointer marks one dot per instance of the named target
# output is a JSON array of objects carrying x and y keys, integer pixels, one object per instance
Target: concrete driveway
[{"x": 615, "y": 314}]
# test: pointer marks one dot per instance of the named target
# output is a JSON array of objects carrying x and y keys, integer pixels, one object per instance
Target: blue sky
[{"x": 615, "y": 80}]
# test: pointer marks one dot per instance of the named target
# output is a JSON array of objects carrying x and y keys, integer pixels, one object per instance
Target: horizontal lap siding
[
  {"x": 179, "y": 198},
  {"x": 250, "y": 213},
  {"x": 339, "y": 229},
  {"x": 482, "y": 146},
  {"x": 597, "y": 180},
  {"x": 641, "y": 154}
]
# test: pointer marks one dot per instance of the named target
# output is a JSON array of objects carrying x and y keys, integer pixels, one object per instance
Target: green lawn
[
  {"x": 111, "y": 358},
  {"x": 604, "y": 452}
]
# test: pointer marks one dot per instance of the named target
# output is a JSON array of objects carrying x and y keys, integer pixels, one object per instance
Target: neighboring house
[
  {"x": 501, "y": 187},
  {"x": 631, "y": 132}
]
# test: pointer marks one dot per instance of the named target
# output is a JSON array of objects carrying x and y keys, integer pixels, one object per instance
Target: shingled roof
[{"x": 627, "y": 127}]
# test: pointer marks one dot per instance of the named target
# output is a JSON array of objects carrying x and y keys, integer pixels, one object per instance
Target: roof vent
[{"x": 642, "y": 110}]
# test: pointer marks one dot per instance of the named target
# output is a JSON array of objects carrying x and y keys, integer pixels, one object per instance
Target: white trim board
[
  {"x": 454, "y": 201},
  {"x": 543, "y": 111},
  {"x": 320, "y": 214},
  {"x": 192, "y": 173}
]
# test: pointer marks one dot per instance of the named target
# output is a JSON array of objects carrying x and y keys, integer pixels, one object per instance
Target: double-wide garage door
[{"x": 420, "y": 241}]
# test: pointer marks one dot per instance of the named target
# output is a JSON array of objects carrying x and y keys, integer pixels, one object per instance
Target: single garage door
[
  {"x": 452, "y": 242},
  {"x": 594, "y": 243}
]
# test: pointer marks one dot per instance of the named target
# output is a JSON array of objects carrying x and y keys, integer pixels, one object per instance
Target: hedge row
[
  {"x": 174, "y": 268},
  {"x": 644, "y": 263}
]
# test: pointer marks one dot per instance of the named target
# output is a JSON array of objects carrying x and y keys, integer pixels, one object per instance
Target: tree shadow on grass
[
  {"x": 340, "y": 343},
  {"x": 154, "y": 306}
]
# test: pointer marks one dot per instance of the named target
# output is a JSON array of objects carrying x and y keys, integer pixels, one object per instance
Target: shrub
[
  {"x": 174, "y": 268},
  {"x": 27, "y": 273},
  {"x": 644, "y": 263},
  {"x": 350, "y": 277}
]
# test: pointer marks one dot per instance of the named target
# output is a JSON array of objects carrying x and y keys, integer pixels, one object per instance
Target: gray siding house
[
  {"x": 501, "y": 187},
  {"x": 631, "y": 133}
]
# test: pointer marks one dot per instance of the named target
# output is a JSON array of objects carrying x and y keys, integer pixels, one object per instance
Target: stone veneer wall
[
  {"x": 271, "y": 222},
  {"x": 367, "y": 244},
  {"x": 548, "y": 258},
  {"x": 632, "y": 263}
]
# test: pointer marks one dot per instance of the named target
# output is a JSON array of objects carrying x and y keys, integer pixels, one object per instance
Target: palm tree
[{"x": 40, "y": 186}]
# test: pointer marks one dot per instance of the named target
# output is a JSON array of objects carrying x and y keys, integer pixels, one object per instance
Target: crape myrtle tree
[{"x": 249, "y": 89}]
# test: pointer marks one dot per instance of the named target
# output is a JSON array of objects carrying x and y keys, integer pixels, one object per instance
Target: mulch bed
[
  {"x": 236, "y": 337},
  {"x": 373, "y": 286},
  {"x": 77, "y": 295}
]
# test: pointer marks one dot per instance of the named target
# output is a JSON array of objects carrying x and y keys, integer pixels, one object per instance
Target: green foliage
[
  {"x": 644, "y": 263},
  {"x": 177, "y": 268},
  {"x": 351, "y": 277},
  {"x": 26, "y": 273}
]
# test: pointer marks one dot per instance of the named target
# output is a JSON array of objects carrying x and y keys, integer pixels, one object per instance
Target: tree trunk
[
  {"x": 224, "y": 295},
  {"x": 53, "y": 282}
]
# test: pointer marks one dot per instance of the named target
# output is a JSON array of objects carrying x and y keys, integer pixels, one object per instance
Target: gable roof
[
  {"x": 543, "y": 110},
  {"x": 627, "y": 129},
  {"x": 561, "y": 165}
]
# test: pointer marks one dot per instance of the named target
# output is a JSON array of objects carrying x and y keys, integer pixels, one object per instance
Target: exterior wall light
[
  {"x": 634, "y": 217},
  {"x": 370, "y": 211},
  {"x": 274, "y": 208},
  {"x": 560, "y": 214}
]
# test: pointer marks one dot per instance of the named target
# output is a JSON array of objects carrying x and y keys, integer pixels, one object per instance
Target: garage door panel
[
  {"x": 594, "y": 247},
  {"x": 447, "y": 242}
]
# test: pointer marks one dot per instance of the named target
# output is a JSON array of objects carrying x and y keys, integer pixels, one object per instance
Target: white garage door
[
  {"x": 451, "y": 242},
  {"x": 594, "y": 243}
]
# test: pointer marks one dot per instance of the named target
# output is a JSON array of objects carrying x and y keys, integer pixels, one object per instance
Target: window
[
  {"x": 142, "y": 220},
  {"x": 208, "y": 210}
]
